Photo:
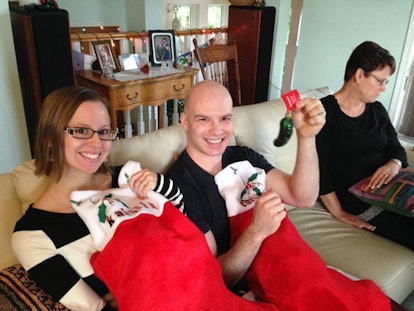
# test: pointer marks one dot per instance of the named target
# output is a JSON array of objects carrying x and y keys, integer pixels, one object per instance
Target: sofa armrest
[
  {"x": 10, "y": 212},
  {"x": 409, "y": 149}
]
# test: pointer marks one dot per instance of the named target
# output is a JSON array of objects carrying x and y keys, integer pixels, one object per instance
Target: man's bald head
[{"x": 207, "y": 91}]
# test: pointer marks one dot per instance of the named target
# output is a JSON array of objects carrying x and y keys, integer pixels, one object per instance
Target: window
[
  {"x": 402, "y": 104},
  {"x": 184, "y": 13},
  {"x": 406, "y": 125},
  {"x": 215, "y": 16},
  {"x": 197, "y": 14}
]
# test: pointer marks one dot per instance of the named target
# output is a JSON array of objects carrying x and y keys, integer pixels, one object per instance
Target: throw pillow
[
  {"x": 397, "y": 196},
  {"x": 19, "y": 292}
]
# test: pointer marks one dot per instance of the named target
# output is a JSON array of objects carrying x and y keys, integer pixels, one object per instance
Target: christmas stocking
[
  {"x": 151, "y": 256},
  {"x": 286, "y": 270}
]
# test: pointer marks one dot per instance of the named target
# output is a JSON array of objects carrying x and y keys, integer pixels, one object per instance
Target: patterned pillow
[
  {"x": 19, "y": 292},
  {"x": 397, "y": 196}
]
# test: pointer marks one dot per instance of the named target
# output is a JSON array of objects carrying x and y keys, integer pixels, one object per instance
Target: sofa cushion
[
  {"x": 155, "y": 150},
  {"x": 27, "y": 184},
  {"x": 316, "y": 93},
  {"x": 397, "y": 196},
  {"x": 19, "y": 292},
  {"x": 253, "y": 129},
  {"x": 356, "y": 251},
  {"x": 10, "y": 212}
]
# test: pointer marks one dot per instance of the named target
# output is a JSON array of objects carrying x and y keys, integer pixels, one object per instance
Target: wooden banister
[{"x": 98, "y": 36}]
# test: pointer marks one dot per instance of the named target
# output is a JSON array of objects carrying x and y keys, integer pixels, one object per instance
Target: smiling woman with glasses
[
  {"x": 359, "y": 141},
  {"x": 71, "y": 158},
  {"x": 51, "y": 241}
]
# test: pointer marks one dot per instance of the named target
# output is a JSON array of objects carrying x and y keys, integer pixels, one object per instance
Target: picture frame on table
[
  {"x": 162, "y": 46},
  {"x": 105, "y": 54},
  {"x": 129, "y": 61}
]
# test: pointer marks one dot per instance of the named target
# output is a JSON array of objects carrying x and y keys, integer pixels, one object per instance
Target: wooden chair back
[{"x": 219, "y": 62}]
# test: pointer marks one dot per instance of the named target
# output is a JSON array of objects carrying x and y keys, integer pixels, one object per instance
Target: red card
[{"x": 290, "y": 99}]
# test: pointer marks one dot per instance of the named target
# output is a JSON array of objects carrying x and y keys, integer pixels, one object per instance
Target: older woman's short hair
[{"x": 368, "y": 56}]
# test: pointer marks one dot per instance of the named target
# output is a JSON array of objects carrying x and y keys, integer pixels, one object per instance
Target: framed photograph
[
  {"x": 162, "y": 45},
  {"x": 129, "y": 61},
  {"x": 105, "y": 54}
]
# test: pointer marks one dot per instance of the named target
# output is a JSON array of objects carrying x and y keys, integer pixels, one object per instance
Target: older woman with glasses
[{"x": 359, "y": 141}]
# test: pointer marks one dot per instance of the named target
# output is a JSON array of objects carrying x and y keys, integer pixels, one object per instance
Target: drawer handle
[
  {"x": 132, "y": 98},
  {"x": 179, "y": 89}
]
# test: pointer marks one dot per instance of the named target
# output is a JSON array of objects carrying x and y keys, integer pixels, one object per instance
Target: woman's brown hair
[{"x": 368, "y": 56}]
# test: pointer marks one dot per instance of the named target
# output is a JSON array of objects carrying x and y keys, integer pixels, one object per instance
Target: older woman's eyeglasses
[
  {"x": 381, "y": 82},
  {"x": 86, "y": 133}
]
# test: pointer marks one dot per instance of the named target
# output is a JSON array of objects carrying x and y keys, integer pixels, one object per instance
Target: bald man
[{"x": 208, "y": 122}]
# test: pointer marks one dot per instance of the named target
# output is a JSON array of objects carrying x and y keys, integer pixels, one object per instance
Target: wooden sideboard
[{"x": 144, "y": 91}]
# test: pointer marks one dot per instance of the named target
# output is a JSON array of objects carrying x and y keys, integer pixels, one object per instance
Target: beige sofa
[{"x": 355, "y": 251}]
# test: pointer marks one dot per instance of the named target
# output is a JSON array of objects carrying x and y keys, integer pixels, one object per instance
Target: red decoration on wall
[{"x": 51, "y": 4}]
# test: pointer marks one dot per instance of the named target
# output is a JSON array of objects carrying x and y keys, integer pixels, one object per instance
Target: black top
[
  {"x": 203, "y": 203},
  {"x": 351, "y": 149}
]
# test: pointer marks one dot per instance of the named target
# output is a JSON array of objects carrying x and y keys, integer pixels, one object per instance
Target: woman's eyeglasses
[
  {"x": 381, "y": 82},
  {"x": 86, "y": 133}
]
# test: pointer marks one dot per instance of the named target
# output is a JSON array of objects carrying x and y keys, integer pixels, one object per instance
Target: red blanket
[
  {"x": 164, "y": 263},
  {"x": 290, "y": 274}
]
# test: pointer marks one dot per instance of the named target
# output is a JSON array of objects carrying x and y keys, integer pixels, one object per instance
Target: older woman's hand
[
  {"x": 384, "y": 174},
  {"x": 354, "y": 221}
]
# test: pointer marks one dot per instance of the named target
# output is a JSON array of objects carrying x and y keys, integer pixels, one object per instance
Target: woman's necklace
[
  {"x": 352, "y": 111},
  {"x": 61, "y": 206}
]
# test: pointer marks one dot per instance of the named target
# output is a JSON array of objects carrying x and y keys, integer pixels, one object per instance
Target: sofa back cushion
[
  {"x": 28, "y": 186},
  {"x": 9, "y": 214},
  {"x": 257, "y": 126},
  {"x": 155, "y": 150}
]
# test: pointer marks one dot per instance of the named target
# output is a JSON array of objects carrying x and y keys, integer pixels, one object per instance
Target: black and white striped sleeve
[{"x": 168, "y": 189}]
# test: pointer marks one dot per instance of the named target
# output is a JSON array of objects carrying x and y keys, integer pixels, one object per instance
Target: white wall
[
  {"x": 96, "y": 13},
  {"x": 279, "y": 45},
  {"x": 135, "y": 13},
  {"x": 332, "y": 29},
  {"x": 14, "y": 142}
]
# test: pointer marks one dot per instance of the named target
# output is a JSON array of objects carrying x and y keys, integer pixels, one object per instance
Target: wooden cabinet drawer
[
  {"x": 150, "y": 94},
  {"x": 128, "y": 96},
  {"x": 172, "y": 88}
]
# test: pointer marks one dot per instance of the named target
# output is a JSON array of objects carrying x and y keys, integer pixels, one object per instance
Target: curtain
[{"x": 406, "y": 123}]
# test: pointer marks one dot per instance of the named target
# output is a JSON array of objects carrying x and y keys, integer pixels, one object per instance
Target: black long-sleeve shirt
[{"x": 351, "y": 149}]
